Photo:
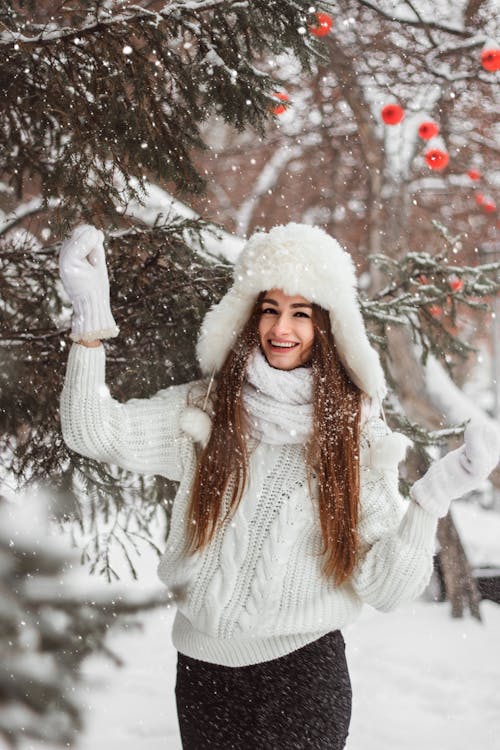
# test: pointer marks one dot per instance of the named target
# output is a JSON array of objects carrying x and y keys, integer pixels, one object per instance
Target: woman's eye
[
  {"x": 303, "y": 314},
  {"x": 268, "y": 310}
]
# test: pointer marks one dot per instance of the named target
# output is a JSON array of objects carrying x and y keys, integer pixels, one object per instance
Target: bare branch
[
  {"x": 425, "y": 24},
  {"x": 418, "y": 24}
]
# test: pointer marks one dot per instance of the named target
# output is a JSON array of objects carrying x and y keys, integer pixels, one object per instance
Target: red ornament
[
  {"x": 479, "y": 199},
  {"x": 324, "y": 25},
  {"x": 392, "y": 114},
  {"x": 490, "y": 59},
  {"x": 456, "y": 284},
  {"x": 423, "y": 279},
  {"x": 489, "y": 207},
  {"x": 428, "y": 130},
  {"x": 437, "y": 159},
  {"x": 435, "y": 311},
  {"x": 474, "y": 174},
  {"x": 280, "y": 108}
]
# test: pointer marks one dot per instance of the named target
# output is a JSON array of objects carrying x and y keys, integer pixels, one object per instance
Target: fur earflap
[
  {"x": 196, "y": 423},
  {"x": 298, "y": 259},
  {"x": 387, "y": 452}
]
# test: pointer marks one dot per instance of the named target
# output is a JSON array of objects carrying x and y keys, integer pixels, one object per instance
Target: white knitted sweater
[{"x": 256, "y": 592}]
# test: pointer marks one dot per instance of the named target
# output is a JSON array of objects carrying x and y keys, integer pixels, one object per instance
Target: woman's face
[{"x": 286, "y": 330}]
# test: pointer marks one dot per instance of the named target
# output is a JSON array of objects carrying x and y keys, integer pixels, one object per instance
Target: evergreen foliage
[
  {"x": 161, "y": 288},
  {"x": 96, "y": 91},
  {"x": 99, "y": 99},
  {"x": 46, "y": 630},
  {"x": 419, "y": 293},
  {"x": 428, "y": 293}
]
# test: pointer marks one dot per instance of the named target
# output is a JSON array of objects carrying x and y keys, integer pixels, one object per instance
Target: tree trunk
[
  {"x": 460, "y": 585},
  {"x": 370, "y": 144}
]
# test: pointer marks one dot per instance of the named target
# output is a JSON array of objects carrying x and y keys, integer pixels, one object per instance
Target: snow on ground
[
  {"x": 420, "y": 679},
  {"x": 479, "y": 531}
]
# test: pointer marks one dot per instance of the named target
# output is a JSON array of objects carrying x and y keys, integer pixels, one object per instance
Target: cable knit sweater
[{"x": 256, "y": 592}]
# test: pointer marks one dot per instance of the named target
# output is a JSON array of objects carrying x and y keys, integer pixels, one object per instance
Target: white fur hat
[{"x": 303, "y": 260}]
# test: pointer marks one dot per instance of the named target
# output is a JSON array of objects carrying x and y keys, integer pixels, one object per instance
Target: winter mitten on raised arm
[
  {"x": 82, "y": 265},
  {"x": 460, "y": 471}
]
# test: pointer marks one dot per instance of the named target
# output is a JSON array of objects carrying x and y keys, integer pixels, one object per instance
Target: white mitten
[
  {"x": 460, "y": 471},
  {"x": 82, "y": 265}
]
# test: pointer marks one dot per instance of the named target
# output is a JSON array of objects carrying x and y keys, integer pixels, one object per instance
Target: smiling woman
[{"x": 288, "y": 516}]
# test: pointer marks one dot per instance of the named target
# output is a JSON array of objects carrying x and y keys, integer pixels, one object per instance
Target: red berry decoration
[
  {"x": 489, "y": 207},
  {"x": 490, "y": 59},
  {"x": 280, "y": 108},
  {"x": 324, "y": 25},
  {"x": 392, "y": 114},
  {"x": 428, "y": 130},
  {"x": 437, "y": 159},
  {"x": 423, "y": 279},
  {"x": 474, "y": 174},
  {"x": 435, "y": 311},
  {"x": 456, "y": 284},
  {"x": 479, "y": 199}
]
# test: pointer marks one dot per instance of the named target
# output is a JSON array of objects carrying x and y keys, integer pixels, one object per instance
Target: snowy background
[{"x": 420, "y": 678}]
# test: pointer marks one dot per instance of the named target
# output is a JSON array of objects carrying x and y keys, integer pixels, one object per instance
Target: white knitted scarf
[{"x": 277, "y": 402}]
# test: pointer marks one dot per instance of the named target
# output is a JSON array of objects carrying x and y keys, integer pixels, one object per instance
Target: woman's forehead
[{"x": 279, "y": 296}]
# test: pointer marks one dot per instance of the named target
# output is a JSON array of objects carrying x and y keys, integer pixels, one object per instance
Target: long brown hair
[{"x": 332, "y": 453}]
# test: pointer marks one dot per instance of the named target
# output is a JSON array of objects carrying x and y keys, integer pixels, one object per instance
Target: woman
[{"x": 287, "y": 516}]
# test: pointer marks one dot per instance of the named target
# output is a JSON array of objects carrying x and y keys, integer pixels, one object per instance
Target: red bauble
[
  {"x": 456, "y": 284},
  {"x": 324, "y": 25},
  {"x": 479, "y": 199},
  {"x": 280, "y": 108},
  {"x": 474, "y": 174},
  {"x": 490, "y": 59},
  {"x": 428, "y": 130},
  {"x": 392, "y": 114},
  {"x": 437, "y": 159},
  {"x": 489, "y": 207}
]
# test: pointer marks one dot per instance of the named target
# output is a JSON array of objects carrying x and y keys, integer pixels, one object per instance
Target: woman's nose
[{"x": 281, "y": 325}]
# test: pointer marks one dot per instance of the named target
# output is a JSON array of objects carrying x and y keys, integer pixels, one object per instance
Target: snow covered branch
[{"x": 105, "y": 20}]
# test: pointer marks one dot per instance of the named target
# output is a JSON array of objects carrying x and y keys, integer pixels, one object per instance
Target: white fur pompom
[
  {"x": 388, "y": 451},
  {"x": 196, "y": 423}
]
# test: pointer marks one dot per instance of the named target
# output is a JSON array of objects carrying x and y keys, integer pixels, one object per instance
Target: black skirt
[{"x": 301, "y": 701}]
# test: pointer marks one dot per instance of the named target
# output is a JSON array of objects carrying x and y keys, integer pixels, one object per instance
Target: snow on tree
[
  {"x": 100, "y": 99},
  {"x": 48, "y": 625}
]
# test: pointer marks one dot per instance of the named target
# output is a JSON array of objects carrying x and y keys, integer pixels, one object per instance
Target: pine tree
[
  {"x": 100, "y": 98},
  {"x": 47, "y": 629}
]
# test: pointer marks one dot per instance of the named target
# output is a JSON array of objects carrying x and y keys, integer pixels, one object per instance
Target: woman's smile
[{"x": 283, "y": 344}]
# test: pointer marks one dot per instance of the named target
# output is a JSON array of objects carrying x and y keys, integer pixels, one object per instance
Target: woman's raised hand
[
  {"x": 460, "y": 471},
  {"x": 82, "y": 266}
]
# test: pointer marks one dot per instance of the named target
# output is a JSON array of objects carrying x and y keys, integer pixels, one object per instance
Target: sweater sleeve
[
  {"x": 397, "y": 537},
  {"x": 141, "y": 435}
]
